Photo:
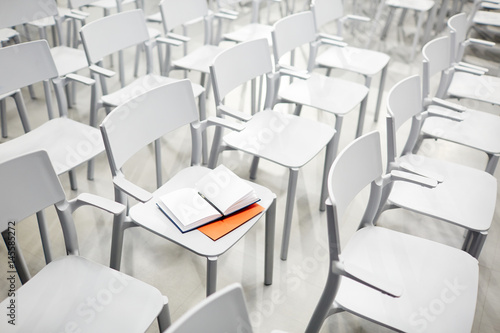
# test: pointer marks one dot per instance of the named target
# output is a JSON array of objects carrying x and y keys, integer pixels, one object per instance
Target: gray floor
[{"x": 289, "y": 302}]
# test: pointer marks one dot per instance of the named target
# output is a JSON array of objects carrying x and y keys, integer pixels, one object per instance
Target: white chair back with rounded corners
[
  {"x": 326, "y": 11},
  {"x": 293, "y": 31},
  {"x": 177, "y": 12},
  {"x": 359, "y": 164},
  {"x": 24, "y": 64},
  {"x": 227, "y": 72},
  {"x": 29, "y": 184},
  {"x": 458, "y": 34},
  {"x": 224, "y": 311},
  {"x": 135, "y": 124},
  {"x": 404, "y": 100},
  {"x": 113, "y": 33},
  {"x": 437, "y": 55},
  {"x": 18, "y": 12}
]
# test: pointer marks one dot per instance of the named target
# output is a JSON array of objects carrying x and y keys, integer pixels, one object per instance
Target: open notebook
[{"x": 218, "y": 194}]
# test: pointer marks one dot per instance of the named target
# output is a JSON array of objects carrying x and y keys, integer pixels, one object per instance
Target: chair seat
[
  {"x": 285, "y": 139},
  {"x": 199, "y": 59},
  {"x": 49, "y": 21},
  {"x": 108, "y": 4},
  {"x": 325, "y": 93},
  {"x": 473, "y": 209},
  {"x": 487, "y": 18},
  {"x": 418, "y": 5},
  {"x": 363, "y": 61},
  {"x": 58, "y": 299},
  {"x": 250, "y": 32},
  {"x": 478, "y": 130},
  {"x": 479, "y": 87},
  {"x": 437, "y": 281},
  {"x": 156, "y": 17},
  {"x": 141, "y": 85},
  {"x": 68, "y": 143},
  {"x": 68, "y": 60},
  {"x": 149, "y": 216}
]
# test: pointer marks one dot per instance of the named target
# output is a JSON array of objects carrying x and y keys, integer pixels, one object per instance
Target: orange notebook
[{"x": 217, "y": 229}]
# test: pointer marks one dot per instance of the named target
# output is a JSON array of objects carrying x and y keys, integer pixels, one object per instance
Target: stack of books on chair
[{"x": 217, "y": 204}]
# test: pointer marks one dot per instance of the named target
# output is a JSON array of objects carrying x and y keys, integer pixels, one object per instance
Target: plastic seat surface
[
  {"x": 487, "y": 18},
  {"x": 479, "y": 130},
  {"x": 363, "y": 61},
  {"x": 249, "y": 32},
  {"x": 57, "y": 298},
  {"x": 139, "y": 86},
  {"x": 149, "y": 216},
  {"x": 418, "y": 5},
  {"x": 480, "y": 87},
  {"x": 329, "y": 94},
  {"x": 433, "y": 277},
  {"x": 466, "y": 197},
  {"x": 284, "y": 138},
  {"x": 200, "y": 59},
  {"x": 68, "y": 143}
]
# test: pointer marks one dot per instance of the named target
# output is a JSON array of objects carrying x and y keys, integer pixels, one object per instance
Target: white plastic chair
[
  {"x": 464, "y": 196},
  {"x": 421, "y": 9},
  {"x": 112, "y": 34},
  {"x": 57, "y": 297},
  {"x": 342, "y": 56},
  {"x": 142, "y": 120},
  {"x": 333, "y": 95},
  {"x": 286, "y": 140},
  {"x": 246, "y": 32},
  {"x": 67, "y": 59},
  {"x": 476, "y": 129},
  {"x": 175, "y": 14},
  {"x": 384, "y": 276},
  {"x": 68, "y": 142}
]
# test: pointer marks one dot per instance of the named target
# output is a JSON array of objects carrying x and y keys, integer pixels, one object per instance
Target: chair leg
[
  {"x": 119, "y": 226},
  {"x": 138, "y": 51},
  {"x": 290, "y": 201},
  {"x": 254, "y": 167},
  {"x": 3, "y": 117},
  {"x": 362, "y": 113},
  {"x": 72, "y": 180},
  {"x": 269, "y": 247},
  {"x": 211, "y": 275},
  {"x": 420, "y": 21},
  {"x": 492, "y": 163},
  {"x": 216, "y": 145},
  {"x": 21, "y": 109},
  {"x": 204, "y": 139},
  {"x": 164, "y": 320},
  {"x": 387, "y": 23},
  {"x": 44, "y": 236},
  {"x": 19, "y": 262},
  {"x": 380, "y": 92},
  {"x": 159, "y": 180},
  {"x": 477, "y": 243}
]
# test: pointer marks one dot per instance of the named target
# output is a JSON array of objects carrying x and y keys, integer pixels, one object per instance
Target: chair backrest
[
  {"x": 18, "y": 12},
  {"x": 24, "y": 64},
  {"x": 291, "y": 32},
  {"x": 113, "y": 33},
  {"x": 437, "y": 58},
  {"x": 404, "y": 101},
  {"x": 29, "y": 184},
  {"x": 138, "y": 122},
  {"x": 223, "y": 311},
  {"x": 458, "y": 34},
  {"x": 239, "y": 64},
  {"x": 358, "y": 165},
  {"x": 326, "y": 11},
  {"x": 174, "y": 13}
]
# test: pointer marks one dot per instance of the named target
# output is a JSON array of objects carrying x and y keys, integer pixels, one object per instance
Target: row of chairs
[{"x": 245, "y": 53}]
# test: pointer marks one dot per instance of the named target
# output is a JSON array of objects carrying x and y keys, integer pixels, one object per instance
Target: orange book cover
[{"x": 217, "y": 229}]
